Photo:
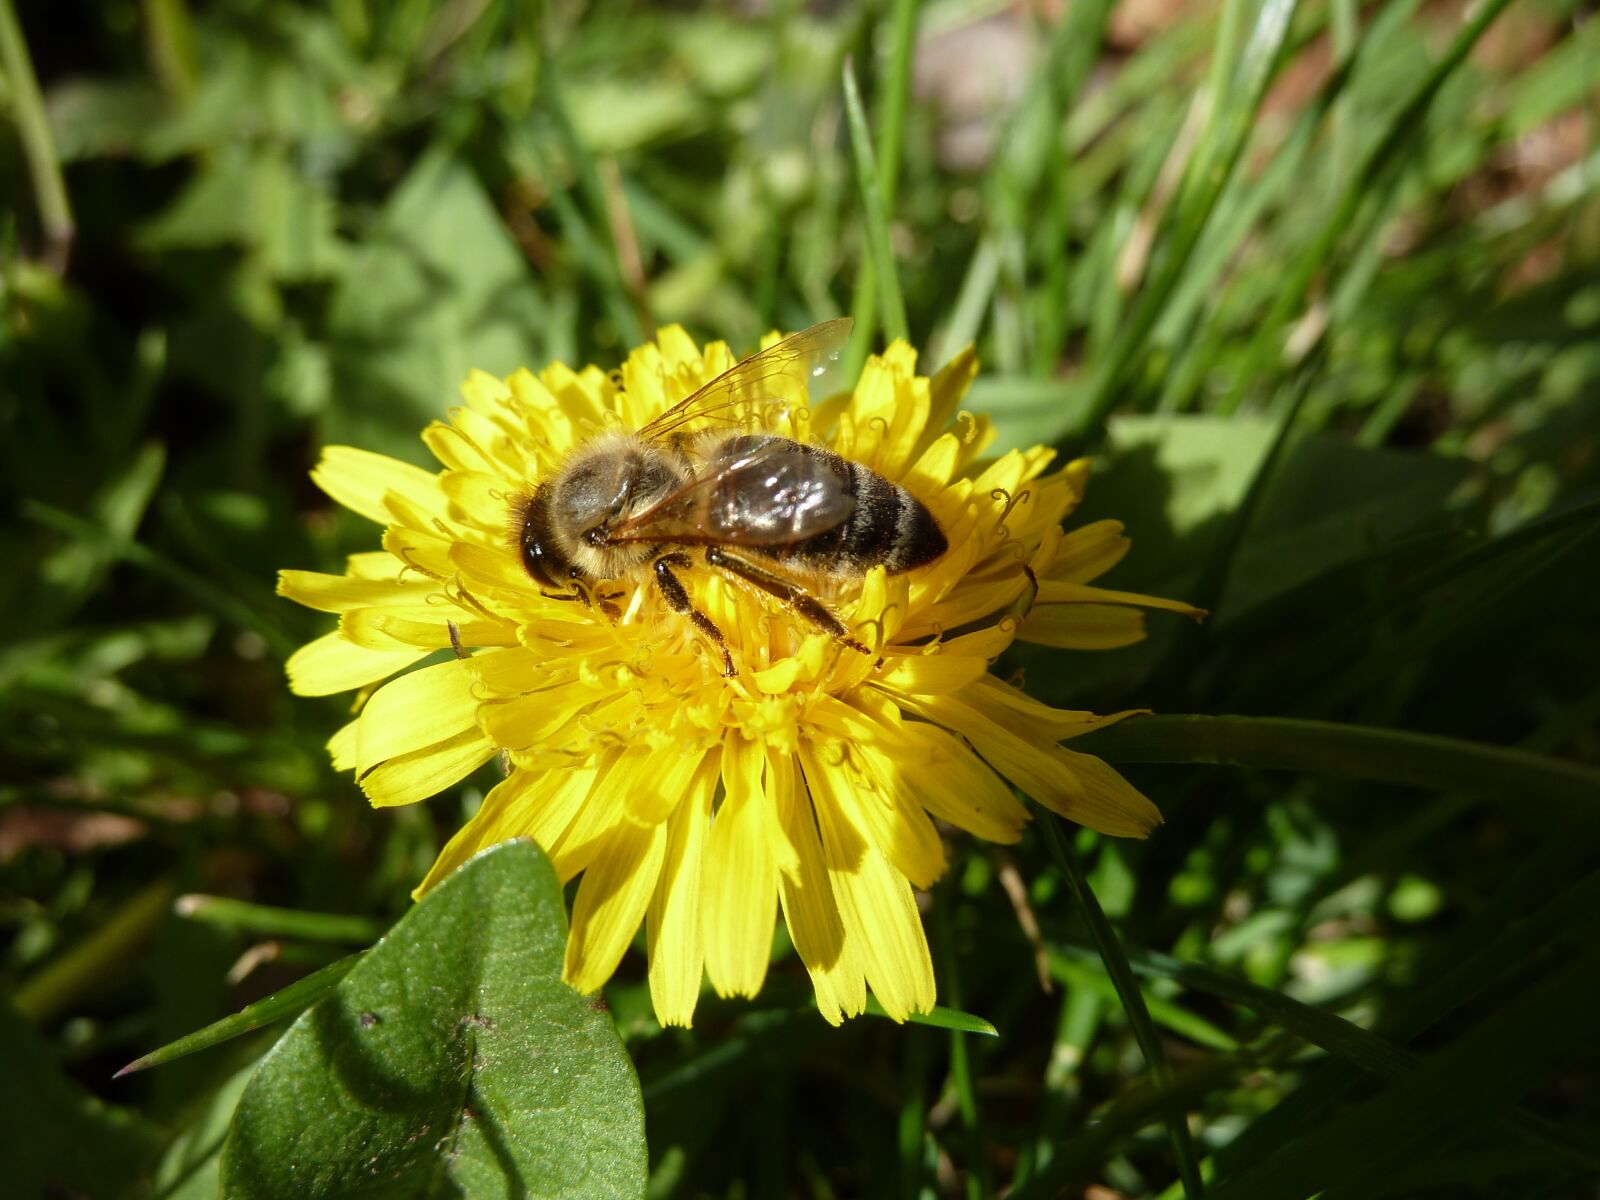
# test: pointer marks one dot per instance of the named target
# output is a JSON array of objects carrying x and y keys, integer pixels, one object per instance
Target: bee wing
[
  {"x": 749, "y": 379},
  {"x": 776, "y": 495}
]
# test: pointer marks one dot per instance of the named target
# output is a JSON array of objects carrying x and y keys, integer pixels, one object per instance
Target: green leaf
[
  {"x": 437, "y": 291},
  {"x": 452, "y": 1060}
]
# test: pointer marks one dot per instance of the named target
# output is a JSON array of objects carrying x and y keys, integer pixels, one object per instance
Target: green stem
[
  {"x": 978, "y": 1183},
  {"x": 1355, "y": 752},
  {"x": 872, "y": 199},
  {"x": 97, "y": 960},
  {"x": 267, "y": 921},
  {"x": 893, "y": 99},
  {"x": 1144, "y": 1030},
  {"x": 49, "y": 189}
]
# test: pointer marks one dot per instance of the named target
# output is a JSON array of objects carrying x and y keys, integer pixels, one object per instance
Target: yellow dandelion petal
[
  {"x": 336, "y": 593},
  {"x": 342, "y": 746},
  {"x": 611, "y": 901},
  {"x": 1052, "y": 592},
  {"x": 1089, "y": 552},
  {"x": 740, "y": 890},
  {"x": 677, "y": 949},
  {"x": 415, "y": 711},
  {"x": 1084, "y": 626},
  {"x": 333, "y": 663},
  {"x": 809, "y": 908},
  {"x": 418, "y": 774},
  {"x": 703, "y": 742},
  {"x": 486, "y": 828},
  {"x": 955, "y": 785},
  {"x": 361, "y": 481},
  {"x": 875, "y": 901},
  {"x": 373, "y": 564}
]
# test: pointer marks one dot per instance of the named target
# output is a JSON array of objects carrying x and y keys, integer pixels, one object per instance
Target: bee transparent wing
[
  {"x": 777, "y": 495},
  {"x": 749, "y": 382}
]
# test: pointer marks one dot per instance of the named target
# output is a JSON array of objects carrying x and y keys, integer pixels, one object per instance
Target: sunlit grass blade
[
  {"x": 1257, "y": 64},
  {"x": 267, "y": 921},
  {"x": 1128, "y": 991},
  {"x": 286, "y": 1002},
  {"x": 1078, "y": 974},
  {"x": 1514, "y": 777},
  {"x": 1384, "y": 156},
  {"x": 38, "y": 145},
  {"x": 894, "y": 97},
  {"x": 891, "y": 305}
]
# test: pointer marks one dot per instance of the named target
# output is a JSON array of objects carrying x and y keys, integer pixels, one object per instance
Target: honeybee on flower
[{"x": 734, "y": 650}]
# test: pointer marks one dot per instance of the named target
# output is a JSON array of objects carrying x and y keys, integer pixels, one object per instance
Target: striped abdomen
[{"x": 888, "y": 526}]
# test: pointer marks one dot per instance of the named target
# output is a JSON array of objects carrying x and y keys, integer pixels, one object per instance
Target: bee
[{"x": 770, "y": 512}]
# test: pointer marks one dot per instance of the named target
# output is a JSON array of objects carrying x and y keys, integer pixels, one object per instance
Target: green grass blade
[
  {"x": 978, "y": 1181},
  {"x": 1493, "y": 1064},
  {"x": 622, "y": 305},
  {"x": 286, "y": 1002},
  {"x": 1256, "y": 68},
  {"x": 894, "y": 97},
  {"x": 1517, "y": 777},
  {"x": 1116, "y": 964},
  {"x": 1383, "y": 157},
  {"x": 206, "y": 594},
  {"x": 891, "y": 305},
  {"x": 1073, "y": 973},
  {"x": 267, "y": 921},
  {"x": 941, "y": 1017},
  {"x": 38, "y": 145}
]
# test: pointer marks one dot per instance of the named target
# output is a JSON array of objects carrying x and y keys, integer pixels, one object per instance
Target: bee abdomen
[{"x": 890, "y": 527}]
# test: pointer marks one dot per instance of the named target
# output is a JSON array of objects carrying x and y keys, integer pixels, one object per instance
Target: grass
[{"x": 1313, "y": 282}]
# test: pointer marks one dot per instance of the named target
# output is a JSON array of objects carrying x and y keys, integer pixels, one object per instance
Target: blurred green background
[{"x": 1319, "y": 285}]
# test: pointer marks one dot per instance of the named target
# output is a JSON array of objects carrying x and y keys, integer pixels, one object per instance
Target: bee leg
[
  {"x": 582, "y": 596},
  {"x": 800, "y": 602},
  {"x": 677, "y": 598}
]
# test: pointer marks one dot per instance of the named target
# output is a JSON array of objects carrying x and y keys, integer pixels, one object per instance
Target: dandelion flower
[{"x": 698, "y": 803}]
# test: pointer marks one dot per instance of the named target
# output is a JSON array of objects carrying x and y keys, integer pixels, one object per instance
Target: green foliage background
[{"x": 1318, "y": 283}]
